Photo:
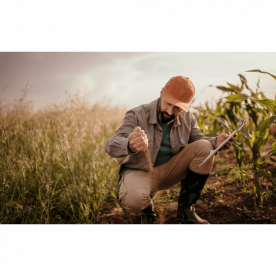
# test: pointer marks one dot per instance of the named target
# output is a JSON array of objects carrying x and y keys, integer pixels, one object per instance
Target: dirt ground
[{"x": 223, "y": 200}]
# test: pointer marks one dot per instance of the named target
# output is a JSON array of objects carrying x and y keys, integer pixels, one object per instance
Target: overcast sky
[{"x": 129, "y": 79}]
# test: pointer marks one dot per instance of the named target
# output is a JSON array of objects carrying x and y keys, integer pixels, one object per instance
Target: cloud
[{"x": 128, "y": 79}]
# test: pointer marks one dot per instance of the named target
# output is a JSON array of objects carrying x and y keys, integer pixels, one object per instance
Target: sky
[{"x": 128, "y": 79}]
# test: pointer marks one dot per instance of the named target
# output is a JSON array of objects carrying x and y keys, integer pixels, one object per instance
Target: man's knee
[
  {"x": 202, "y": 150},
  {"x": 136, "y": 200},
  {"x": 203, "y": 147}
]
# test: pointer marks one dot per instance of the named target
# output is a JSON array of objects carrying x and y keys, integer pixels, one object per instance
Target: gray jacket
[{"x": 184, "y": 130}]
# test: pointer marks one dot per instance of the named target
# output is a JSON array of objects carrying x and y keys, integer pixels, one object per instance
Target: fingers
[
  {"x": 228, "y": 145},
  {"x": 136, "y": 134},
  {"x": 234, "y": 137},
  {"x": 136, "y": 129},
  {"x": 223, "y": 137},
  {"x": 142, "y": 148},
  {"x": 138, "y": 139},
  {"x": 139, "y": 142}
]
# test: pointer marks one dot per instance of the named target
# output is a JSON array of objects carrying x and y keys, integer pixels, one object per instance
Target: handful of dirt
[{"x": 148, "y": 158}]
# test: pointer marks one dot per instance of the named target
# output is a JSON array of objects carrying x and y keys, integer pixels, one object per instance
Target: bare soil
[{"x": 223, "y": 201}]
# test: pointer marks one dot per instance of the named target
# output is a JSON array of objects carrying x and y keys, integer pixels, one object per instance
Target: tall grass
[{"x": 53, "y": 165}]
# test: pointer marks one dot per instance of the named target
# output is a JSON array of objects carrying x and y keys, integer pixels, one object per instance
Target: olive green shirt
[{"x": 165, "y": 151}]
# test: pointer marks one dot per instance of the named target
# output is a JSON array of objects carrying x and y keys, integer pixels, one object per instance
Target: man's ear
[{"x": 161, "y": 92}]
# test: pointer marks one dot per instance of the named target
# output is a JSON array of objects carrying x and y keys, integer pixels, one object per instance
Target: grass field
[{"x": 53, "y": 165}]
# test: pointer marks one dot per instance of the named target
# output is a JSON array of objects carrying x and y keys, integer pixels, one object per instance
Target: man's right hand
[{"x": 138, "y": 140}]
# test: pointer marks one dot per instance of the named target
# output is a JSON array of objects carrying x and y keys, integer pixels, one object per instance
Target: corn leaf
[
  {"x": 253, "y": 137},
  {"x": 231, "y": 86},
  {"x": 273, "y": 182},
  {"x": 266, "y": 156},
  {"x": 247, "y": 142},
  {"x": 259, "y": 161},
  {"x": 265, "y": 102},
  {"x": 263, "y": 96},
  {"x": 211, "y": 134},
  {"x": 237, "y": 143},
  {"x": 245, "y": 132},
  {"x": 261, "y": 142},
  {"x": 273, "y": 160},
  {"x": 224, "y": 122},
  {"x": 265, "y": 173},
  {"x": 268, "y": 174},
  {"x": 237, "y": 147},
  {"x": 259, "y": 71},
  {"x": 272, "y": 119},
  {"x": 237, "y": 98},
  {"x": 225, "y": 89},
  {"x": 273, "y": 148},
  {"x": 271, "y": 137},
  {"x": 264, "y": 125}
]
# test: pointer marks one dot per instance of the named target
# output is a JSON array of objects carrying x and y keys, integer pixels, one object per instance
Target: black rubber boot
[
  {"x": 190, "y": 192},
  {"x": 148, "y": 216}
]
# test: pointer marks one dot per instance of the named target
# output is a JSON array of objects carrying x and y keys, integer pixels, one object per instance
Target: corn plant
[
  {"x": 225, "y": 117},
  {"x": 255, "y": 134}
]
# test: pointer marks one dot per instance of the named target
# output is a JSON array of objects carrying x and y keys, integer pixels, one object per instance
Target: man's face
[{"x": 169, "y": 111}]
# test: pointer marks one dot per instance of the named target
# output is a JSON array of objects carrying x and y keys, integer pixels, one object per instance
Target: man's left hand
[{"x": 223, "y": 137}]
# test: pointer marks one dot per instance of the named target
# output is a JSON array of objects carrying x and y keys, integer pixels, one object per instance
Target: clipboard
[{"x": 212, "y": 152}]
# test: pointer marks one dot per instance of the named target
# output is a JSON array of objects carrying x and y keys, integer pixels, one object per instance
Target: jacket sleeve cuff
[
  {"x": 124, "y": 147},
  {"x": 214, "y": 142},
  {"x": 130, "y": 152}
]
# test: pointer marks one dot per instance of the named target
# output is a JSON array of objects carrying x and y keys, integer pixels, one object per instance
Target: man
[{"x": 163, "y": 127}]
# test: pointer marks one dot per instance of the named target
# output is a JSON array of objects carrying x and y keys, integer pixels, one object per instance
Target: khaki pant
[{"x": 137, "y": 187}]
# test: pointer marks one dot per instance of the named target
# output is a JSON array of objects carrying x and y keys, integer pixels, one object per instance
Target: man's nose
[{"x": 170, "y": 110}]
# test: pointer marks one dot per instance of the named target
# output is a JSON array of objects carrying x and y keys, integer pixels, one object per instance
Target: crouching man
[{"x": 163, "y": 128}]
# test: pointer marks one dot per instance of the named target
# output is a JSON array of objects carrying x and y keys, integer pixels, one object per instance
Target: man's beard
[{"x": 165, "y": 119}]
